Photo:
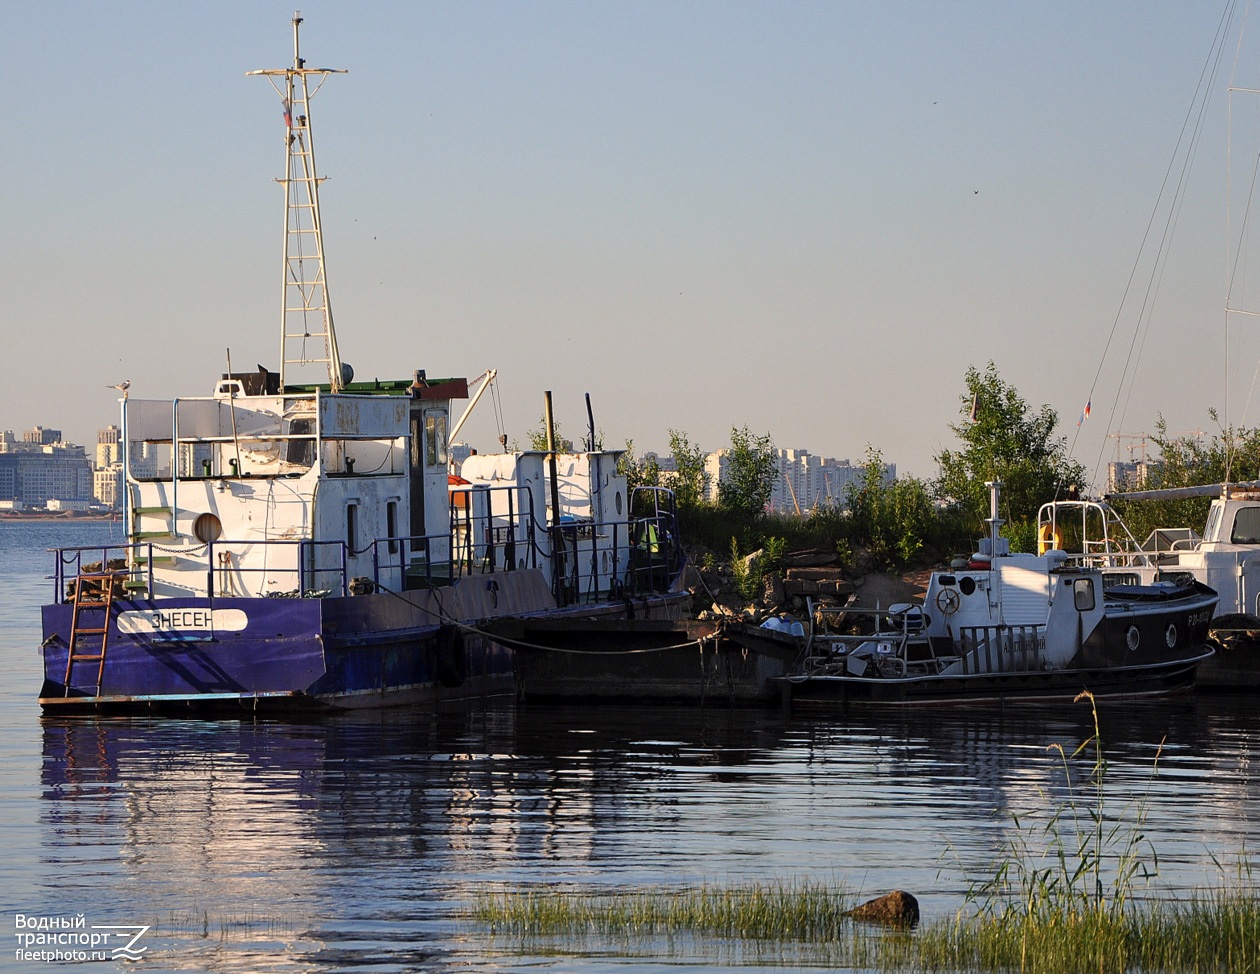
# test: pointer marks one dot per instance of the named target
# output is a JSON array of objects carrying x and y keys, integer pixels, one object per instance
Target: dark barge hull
[
  {"x": 1030, "y": 687},
  {"x": 1236, "y": 664},
  {"x": 662, "y": 661}
]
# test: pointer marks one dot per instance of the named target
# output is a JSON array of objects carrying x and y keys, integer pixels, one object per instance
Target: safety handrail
[
  {"x": 310, "y": 574},
  {"x": 67, "y": 557}
]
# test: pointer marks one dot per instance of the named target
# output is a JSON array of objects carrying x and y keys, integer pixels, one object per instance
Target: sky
[{"x": 806, "y": 218}]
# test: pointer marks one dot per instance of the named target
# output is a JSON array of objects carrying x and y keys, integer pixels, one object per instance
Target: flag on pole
[
  {"x": 975, "y": 407},
  {"x": 288, "y": 115},
  {"x": 1085, "y": 413}
]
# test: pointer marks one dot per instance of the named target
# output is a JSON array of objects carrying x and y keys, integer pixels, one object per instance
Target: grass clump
[
  {"x": 803, "y": 911},
  {"x": 1210, "y": 931}
]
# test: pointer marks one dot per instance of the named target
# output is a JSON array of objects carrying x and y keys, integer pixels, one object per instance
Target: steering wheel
[{"x": 948, "y": 600}]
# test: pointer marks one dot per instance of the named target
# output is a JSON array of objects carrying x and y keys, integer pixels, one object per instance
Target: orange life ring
[{"x": 1047, "y": 538}]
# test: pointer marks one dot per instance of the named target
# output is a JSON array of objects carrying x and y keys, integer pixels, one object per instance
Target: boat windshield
[{"x": 1246, "y": 528}]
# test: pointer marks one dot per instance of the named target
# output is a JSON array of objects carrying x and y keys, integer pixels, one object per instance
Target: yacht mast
[{"x": 307, "y": 337}]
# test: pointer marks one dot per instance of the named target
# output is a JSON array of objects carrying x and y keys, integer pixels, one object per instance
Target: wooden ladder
[{"x": 94, "y": 593}]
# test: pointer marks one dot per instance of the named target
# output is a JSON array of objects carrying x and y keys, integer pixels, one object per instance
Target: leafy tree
[
  {"x": 1004, "y": 440},
  {"x": 638, "y": 471},
  {"x": 689, "y": 479},
  {"x": 538, "y": 438},
  {"x": 892, "y": 519},
  {"x": 1233, "y": 455},
  {"x": 752, "y": 467}
]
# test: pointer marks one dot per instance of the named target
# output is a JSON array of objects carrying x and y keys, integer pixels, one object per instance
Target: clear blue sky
[{"x": 807, "y": 218}]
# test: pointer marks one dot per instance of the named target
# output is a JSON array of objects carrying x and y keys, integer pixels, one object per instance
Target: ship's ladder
[
  {"x": 149, "y": 526},
  {"x": 94, "y": 597},
  {"x": 143, "y": 528}
]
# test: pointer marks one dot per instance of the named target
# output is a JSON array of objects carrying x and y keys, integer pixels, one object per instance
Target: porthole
[
  {"x": 1170, "y": 635},
  {"x": 207, "y": 528},
  {"x": 1132, "y": 638},
  {"x": 617, "y": 501}
]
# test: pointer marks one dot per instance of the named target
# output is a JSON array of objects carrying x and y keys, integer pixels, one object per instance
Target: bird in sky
[{"x": 122, "y": 387}]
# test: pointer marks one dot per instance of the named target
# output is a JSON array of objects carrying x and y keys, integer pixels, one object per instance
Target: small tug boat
[
  {"x": 297, "y": 544},
  {"x": 1223, "y": 558},
  {"x": 1007, "y": 626}
]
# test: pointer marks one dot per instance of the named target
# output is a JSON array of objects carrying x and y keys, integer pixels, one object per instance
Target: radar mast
[{"x": 307, "y": 337}]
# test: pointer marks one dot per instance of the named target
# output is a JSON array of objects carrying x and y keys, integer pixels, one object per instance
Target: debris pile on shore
[{"x": 800, "y": 579}]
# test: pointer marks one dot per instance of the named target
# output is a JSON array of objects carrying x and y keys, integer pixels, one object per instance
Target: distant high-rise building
[
  {"x": 108, "y": 486},
  {"x": 41, "y": 436},
  {"x": 458, "y": 453},
  {"x": 804, "y": 481},
  {"x": 53, "y": 471},
  {"x": 1131, "y": 475},
  {"x": 107, "y": 449},
  {"x": 807, "y": 481}
]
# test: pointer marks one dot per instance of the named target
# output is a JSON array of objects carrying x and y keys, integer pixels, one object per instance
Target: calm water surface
[{"x": 353, "y": 843}]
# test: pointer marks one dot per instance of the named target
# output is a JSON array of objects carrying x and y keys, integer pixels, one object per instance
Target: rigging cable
[{"x": 1200, "y": 99}]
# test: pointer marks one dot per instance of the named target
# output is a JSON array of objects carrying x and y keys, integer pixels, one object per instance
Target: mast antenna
[{"x": 307, "y": 337}]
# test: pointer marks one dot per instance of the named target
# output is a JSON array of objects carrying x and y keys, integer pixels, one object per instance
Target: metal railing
[
  {"x": 413, "y": 561},
  {"x": 1002, "y": 649},
  {"x": 492, "y": 529},
  {"x": 315, "y": 578},
  {"x": 590, "y": 561},
  {"x": 134, "y": 560}
]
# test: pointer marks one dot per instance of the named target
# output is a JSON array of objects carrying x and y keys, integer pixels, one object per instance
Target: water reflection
[{"x": 354, "y": 841}]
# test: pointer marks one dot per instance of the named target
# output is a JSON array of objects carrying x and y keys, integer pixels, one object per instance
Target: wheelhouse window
[
  {"x": 1083, "y": 594},
  {"x": 300, "y": 452},
  {"x": 434, "y": 438}
]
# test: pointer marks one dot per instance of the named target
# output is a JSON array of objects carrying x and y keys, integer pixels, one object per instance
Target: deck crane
[{"x": 487, "y": 380}]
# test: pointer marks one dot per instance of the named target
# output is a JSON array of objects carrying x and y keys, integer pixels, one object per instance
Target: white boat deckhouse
[{"x": 296, "y": 539}]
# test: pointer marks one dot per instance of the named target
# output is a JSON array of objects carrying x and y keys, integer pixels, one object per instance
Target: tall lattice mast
[{"x": 307, "y": 337}]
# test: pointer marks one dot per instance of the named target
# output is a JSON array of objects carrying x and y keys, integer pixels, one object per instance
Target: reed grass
[
  {"x": 805, "y": 911},
  {"x": 1068, "y": 894}
]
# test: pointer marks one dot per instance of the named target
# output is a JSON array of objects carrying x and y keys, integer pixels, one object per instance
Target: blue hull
[{"x": 289, "y": 654}]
